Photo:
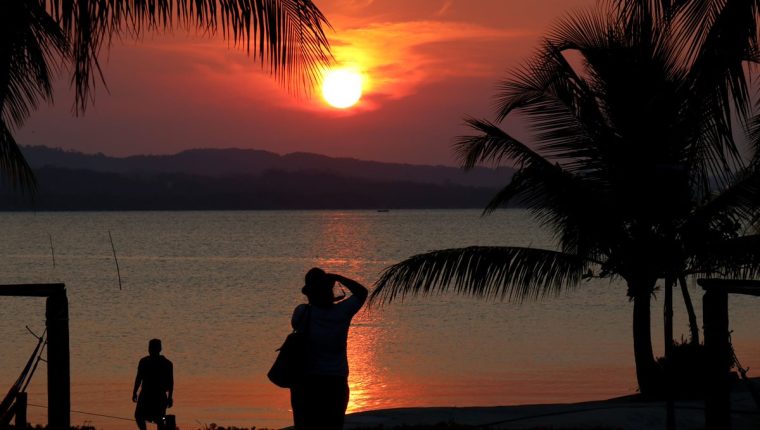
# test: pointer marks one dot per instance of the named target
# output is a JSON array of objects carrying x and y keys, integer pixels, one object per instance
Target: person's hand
[
  {"x": 134, "y": 397},
  {"x": 170, "y": 403}
]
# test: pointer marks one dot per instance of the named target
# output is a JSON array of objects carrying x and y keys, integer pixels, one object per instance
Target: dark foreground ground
[{"x": 626, "y": 413}]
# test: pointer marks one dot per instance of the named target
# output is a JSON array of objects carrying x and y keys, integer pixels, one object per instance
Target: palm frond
[
  {"x": 725, "y": 36},
  {"x": 737, "y": 258},
  {"x": 641, "y": 16},
  {"x": 737, "y": 204},
  {"x": 753, "y": 133},
  {"x": 560, "y": 108},
  {"x": 31, "y": 50},
  {"x": 286, "y": 36},
  {"x": 493, "y": 145},
  {"x": 32, "y": 46},
  {"x": 585, "y": 29},
  {"x": 506, "y": 273},
  {"x": 712, "y": 153},
  {"x": 13, "y": 165},
  {"x": 557, "y": 101}
]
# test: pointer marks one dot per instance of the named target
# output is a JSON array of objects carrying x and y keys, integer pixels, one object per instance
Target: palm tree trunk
[
  {"x": 693, "y": 326},
  {"x": 648, "y": 373}
]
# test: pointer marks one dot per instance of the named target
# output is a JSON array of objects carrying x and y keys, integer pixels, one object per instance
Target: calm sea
[{"x": 218, "y": 289}]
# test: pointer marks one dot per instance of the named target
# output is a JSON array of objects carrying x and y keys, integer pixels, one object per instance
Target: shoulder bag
[{"x": 290, "y": 365}]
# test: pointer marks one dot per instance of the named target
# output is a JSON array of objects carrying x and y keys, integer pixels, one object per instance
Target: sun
[{"x": 342, "y": 88}]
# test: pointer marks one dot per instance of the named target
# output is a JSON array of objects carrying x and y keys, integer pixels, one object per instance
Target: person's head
[
  {"x": 154, "y": 346},
  {"x": 318, "y": 287}
]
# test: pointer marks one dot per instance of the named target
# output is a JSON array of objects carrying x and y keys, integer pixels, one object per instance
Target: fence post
[
  {"x": 20, "y": 411},
  {"x": 59, "y": 391},
  {"x": 718, "y": 398}
]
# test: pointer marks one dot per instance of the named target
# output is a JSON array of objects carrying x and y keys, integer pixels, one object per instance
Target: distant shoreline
[{"x": 84, "y": 190}]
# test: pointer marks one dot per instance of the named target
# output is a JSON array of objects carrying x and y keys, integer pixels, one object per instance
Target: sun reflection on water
[{"x": 366, "y": 372}]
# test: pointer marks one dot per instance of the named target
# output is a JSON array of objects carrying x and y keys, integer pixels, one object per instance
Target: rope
[
  {"x": 8, "y": 403},
  {"x": 39, "y": 358},
  {"x": 86, "y": 413},
  {"x": 743, "y": 372},
  {"x": 93, "y": 414}
]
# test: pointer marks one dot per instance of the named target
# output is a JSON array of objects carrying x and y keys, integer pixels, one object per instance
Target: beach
[{"x": 626, "y": 413}]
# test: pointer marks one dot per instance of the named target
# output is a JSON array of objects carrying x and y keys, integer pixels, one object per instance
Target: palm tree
[
  {"x": 629, "y": 146},
  {"x": 38, "y": 38}
]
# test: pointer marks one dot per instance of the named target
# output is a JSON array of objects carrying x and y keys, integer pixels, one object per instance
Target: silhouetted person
[
  {"x": 155, "y": 374},
  {"x": 320, "y": 401}
]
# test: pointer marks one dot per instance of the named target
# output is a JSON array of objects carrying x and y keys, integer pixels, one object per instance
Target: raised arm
[{"x": 356, "y": 289}]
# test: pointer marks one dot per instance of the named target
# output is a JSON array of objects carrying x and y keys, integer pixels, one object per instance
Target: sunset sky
[{"x": 427, "y": 64}]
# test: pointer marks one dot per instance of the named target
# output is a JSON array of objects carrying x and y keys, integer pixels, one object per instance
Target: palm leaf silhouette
[{"x": 510, "y": 273}]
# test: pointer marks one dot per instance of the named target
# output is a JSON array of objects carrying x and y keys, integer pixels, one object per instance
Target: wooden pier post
[
  {"x": 718, "y": 398},
  {"x": 59, "y": 391},
  {"x": 57, "y": 322},
  {"x": 20, "y": 411}
]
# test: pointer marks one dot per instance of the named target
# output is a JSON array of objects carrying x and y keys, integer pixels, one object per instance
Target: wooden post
[
  {"x": 59, "y": 391},
  {"x": 718, "y": 398},
  {"x": 20, "y": 411},
  {"x": 57, "y": 322},
  {"x": 670, "y": 406}
]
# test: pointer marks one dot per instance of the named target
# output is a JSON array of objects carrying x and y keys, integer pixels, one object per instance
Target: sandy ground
[{"x": 621, "y": 413}]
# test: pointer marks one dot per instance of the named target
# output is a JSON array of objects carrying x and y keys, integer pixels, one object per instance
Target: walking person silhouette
[
  {"x": 319, "y": 401},
  {"x": 155, "y": 373}
]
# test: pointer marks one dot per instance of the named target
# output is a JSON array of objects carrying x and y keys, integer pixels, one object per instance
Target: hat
[{"x": 314, "y": 279}]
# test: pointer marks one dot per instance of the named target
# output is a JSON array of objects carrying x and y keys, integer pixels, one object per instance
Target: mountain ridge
[
  {"x": 243, "y": 179},
  {"x": 236, "y": 161}
]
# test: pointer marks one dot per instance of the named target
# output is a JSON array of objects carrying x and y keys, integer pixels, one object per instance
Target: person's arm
[
  {"x": 358, "y": 290},
  {"x": 138, "y": 381},
  {"x": 170, "y": 389}
]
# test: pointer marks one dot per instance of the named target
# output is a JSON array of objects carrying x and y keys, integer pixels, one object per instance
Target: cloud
[
  {"x": 397, "y": 57},
  {"x": 445, "y": 8}
]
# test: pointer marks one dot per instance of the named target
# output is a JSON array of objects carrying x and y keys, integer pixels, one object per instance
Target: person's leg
[
  {"x": 335, "y": 411},
  {"x": 161, "y": 412},
  {"x": 298, "y": 404},
  {"x": 328, "y": 406},
  {"x": 140, "y": 419},
  {"x": 314, "y": 403}
]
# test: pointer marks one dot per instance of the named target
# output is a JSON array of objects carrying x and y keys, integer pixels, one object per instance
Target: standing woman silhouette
[{"x": 319, "y": 402}]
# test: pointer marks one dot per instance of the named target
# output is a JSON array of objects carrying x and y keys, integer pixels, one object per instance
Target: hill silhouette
[
  {"x": 242, "y": 179},
  {"x": 226, "y": 162}
]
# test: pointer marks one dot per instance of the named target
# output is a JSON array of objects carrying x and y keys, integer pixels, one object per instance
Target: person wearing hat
[{"x": 319, "y": 402}]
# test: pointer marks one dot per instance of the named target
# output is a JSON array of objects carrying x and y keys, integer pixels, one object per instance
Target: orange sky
[{"x": 428, "y": 64}]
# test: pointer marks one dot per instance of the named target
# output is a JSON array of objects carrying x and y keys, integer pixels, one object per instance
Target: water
[{"x": 219, "y": 287}]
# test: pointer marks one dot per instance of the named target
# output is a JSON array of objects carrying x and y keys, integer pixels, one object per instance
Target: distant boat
[{"x": 383, "y": 210}]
